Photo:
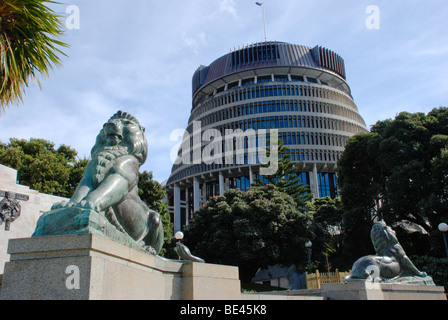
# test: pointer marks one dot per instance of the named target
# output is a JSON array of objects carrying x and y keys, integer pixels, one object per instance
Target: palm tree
[{"x": 28, "y": 46}]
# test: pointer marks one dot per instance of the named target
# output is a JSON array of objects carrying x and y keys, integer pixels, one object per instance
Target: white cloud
[
  {"x": 194, "y": 41},
  {"x": 228, "y": 6}
]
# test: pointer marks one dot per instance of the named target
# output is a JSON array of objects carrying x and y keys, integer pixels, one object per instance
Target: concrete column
[
  {"x": 196, "y": 194},
  {"x": 251, "y": 176},
  {"x": 187, "y": 205},
  {"x": 177, "y": 211},
  {"x": 221, "y": 184},
  {"x": 314, "y": 182}
]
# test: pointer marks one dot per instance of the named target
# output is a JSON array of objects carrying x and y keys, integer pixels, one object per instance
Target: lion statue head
[
  {"x": 123, "y": 131},
  {"x": 383, "y": 238}
]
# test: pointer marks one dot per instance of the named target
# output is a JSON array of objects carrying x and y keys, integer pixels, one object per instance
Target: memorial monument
[
  {"x": 10, "y": 207},
  {"x": 103, "y": 243},
  {"x": 390, "y": 264},
  {"x": 106, "y": 201},
  {"x": 388, "y": 275}
]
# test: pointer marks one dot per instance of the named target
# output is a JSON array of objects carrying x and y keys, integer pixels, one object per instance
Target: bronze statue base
[{"x": 74, "y": 221}]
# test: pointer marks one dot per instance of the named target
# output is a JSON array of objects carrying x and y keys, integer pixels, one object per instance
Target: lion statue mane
[{"x": 110, "y": 182}]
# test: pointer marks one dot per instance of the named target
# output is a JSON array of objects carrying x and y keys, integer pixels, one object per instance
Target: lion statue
[
  {"x": 391, "y": 264},
  {"x": 110, "y": 182}
]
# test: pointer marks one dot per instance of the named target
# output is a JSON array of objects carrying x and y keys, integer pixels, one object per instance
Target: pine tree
[{"x": 286, "y": 178}]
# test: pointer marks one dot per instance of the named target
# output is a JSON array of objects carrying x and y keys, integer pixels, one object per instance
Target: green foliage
[
  {"x": 437, "y": 268},
  {"x": 286, "y": 178},
  {"x": 58, "y": 172},
  {"x": 397, "y": 172},
  {"x": 327, "y": 212},
  {"x": 28, "y": 45},
  {"x": 255, "y": 229},
  {"x": 152, "y": 193},
  {"x": 42, "y": 167},
  {"x": 327, "y": 226}
]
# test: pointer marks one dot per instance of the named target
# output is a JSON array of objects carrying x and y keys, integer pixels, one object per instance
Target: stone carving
[
  {"x": 106, "y": 201},
  {"x": 10, "y": 208},
  {"x": 390, "y": 265}
]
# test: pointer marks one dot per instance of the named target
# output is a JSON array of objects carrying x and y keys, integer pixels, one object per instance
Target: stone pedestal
[
  {"x": 361, "y": 290},
  {"x": 32, "y": 209},
  {"x": 91, "y": 267}
]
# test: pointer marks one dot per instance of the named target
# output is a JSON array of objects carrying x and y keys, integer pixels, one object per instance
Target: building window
[
  {"x": 268, "y": 52},
  {"x": 233, "y": 85},
  {"x": 327, "y": 185},
  {"x": 264, "y": 79},
  {"x": 242, "y": 183},
  {"x": 297, "y": 78},
  {"x": 212, "y": 189},
  {"x": 249, "y": 81},
  {"x": 282, "y": 78}
]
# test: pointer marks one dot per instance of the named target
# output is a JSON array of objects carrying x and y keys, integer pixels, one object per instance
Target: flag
[{"x": 259, "y": 3}]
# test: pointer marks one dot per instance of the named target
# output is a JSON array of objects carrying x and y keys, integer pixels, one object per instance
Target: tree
[
  {"x": 255, "y": 229},
  {"x": 327, "y": 212},
  {"x": 42, "y": 167},
  {"x": 28, "y": 45},
  {"x": 397, "y": 173},
  {"x": 327, "y": 223},
  {"x": 286, "y": 178},
  {"x": 152, "y": 193}
]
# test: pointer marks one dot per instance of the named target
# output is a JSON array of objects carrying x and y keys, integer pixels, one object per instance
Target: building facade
[{"x": 250, "y": 96}]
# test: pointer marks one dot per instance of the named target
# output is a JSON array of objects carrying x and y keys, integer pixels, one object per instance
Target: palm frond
[{"x": 29, "y": 46}]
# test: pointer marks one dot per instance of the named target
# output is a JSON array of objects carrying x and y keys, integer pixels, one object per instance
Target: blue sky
[{"x": 139, "y": 56}]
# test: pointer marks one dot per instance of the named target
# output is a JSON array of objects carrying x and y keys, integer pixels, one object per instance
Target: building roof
[
  {"x": 272, "y": 272},
  {"x": 268, "y": 55}
]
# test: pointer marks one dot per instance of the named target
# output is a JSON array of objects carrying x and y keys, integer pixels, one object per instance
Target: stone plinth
[
  {"x": 361, "y": 290},
  {"x": 210, "y": 282},
  {"x": 91, "y": 267}
]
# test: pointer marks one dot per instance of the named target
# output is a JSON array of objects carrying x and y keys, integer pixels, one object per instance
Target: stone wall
[
  {"x": 32, "y": 209},
  {"x": 90, "y": 267}
]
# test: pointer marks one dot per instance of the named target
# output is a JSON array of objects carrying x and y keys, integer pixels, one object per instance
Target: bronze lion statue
[
  {"x": 391, "y": 264},
  {"x": 110, "y": 182}
]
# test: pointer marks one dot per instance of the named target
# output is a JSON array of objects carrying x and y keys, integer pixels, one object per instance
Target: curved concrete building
[{"x": 237, "y": 103}]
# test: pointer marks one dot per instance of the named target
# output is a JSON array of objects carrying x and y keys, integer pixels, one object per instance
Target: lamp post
[
  {"x": 443, "y": 227},
  {"x": 179, "y": 236},
  {"x": 308, "y": 246}
]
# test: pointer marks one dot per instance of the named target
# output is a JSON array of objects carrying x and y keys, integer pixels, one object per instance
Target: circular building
[{"x": 246, "y": 98}]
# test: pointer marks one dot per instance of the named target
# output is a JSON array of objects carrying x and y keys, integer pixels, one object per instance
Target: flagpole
[
  {"x": 264, "y": 19},
  {"x": 261, "y": 4}
]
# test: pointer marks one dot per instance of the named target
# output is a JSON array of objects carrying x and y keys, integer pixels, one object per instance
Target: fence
[{"x": 315, "y": 280}]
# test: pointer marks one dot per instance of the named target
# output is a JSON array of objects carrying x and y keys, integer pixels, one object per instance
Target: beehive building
[{"x": 300, "y": 91}]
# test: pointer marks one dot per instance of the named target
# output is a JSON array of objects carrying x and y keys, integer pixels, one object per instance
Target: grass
[{"x": 253, "y": 288}]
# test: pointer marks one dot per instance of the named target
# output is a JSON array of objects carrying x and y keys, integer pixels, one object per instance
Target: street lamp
[
  {"x": 443, "y": 227},
  {"x": 308, "y": 246},
  {"x": 179, "y": 235}
]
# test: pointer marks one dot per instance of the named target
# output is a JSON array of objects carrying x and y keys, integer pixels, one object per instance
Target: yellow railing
[{"x": 315, "y": 280}]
